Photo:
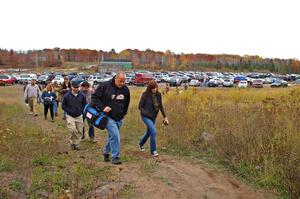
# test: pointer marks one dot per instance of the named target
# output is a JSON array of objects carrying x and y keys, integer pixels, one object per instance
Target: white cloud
[{"x": 266, "y": 28}]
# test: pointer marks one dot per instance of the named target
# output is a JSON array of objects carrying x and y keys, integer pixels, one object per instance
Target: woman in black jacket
[{"x": 149, "y": 106}]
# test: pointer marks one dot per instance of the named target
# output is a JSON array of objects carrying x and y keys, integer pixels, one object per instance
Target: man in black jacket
[
  {"x": 113, "y": 97},
  {"x": 73, "y": 104}
]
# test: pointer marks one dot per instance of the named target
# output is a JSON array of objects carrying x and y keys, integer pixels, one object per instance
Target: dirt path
[{"x": 172, "y": 178}]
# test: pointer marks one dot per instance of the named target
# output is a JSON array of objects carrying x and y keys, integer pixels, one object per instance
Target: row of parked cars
[
  {"x": 178, "y": 78},
  {"x": 216, "y": 79}
]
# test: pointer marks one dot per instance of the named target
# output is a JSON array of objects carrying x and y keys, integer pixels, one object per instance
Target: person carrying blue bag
[{"x": 113, "y": 98}]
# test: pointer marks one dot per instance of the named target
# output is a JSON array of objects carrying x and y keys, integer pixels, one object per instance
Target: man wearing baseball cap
[{"x": 73, "y": 104}]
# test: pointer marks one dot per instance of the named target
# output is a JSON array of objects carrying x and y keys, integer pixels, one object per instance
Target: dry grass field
[{"x": 214, "y": 134}]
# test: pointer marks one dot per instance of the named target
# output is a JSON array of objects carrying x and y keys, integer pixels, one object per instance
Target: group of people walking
[{"x": 111, "y": 97}]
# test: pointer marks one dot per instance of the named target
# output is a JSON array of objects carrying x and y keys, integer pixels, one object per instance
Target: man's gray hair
[{"x": 120, "y": 73}]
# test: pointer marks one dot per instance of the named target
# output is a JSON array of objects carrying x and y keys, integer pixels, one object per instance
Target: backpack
[{"x": 98, "y": 119}]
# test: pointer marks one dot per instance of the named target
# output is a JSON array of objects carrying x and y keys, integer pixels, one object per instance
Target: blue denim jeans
[
  {"x": 113, "y": 140},
  {"x": 55, "y": 106},
  {"x": 150, "y": 132}
]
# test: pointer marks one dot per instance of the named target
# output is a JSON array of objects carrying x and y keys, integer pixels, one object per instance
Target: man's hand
[{"x": 107, "y": 109}]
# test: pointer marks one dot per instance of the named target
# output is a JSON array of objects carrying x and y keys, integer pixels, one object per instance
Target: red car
[
  {"x": 142, "y": 79},
  {"x": 7, "y": 80}
]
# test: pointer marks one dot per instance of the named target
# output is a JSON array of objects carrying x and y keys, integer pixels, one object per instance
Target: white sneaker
[
  {"x": 155, "y": 154},
  {"x": 93, "y": 140},
  {"x": 142, "y": 148}
]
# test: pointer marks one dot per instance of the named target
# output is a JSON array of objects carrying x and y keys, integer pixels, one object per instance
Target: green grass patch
[
  {"x": 15, "y": 185},
  {"x": 40, "y": 161}
]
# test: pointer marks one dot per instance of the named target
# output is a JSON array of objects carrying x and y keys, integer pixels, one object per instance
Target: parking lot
[{"x": 168, "y": 78}]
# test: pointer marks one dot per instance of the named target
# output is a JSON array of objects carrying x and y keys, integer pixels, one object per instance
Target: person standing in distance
[{"x": 113, "y": 98}]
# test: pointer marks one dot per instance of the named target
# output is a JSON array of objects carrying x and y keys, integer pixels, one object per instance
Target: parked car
[
  {"x": 268, "y": 80},
  {"x": 279, "y": 83},
  {"x": 6, "y": 80},
  {"x": 175, "y": 81},
  {"x": 129, "y": 80},
  {"x": 194, "y": 83},
  {"x": 142, "y": 79},
  {"x": 25, "y": 78},
  {"x": 237, "y": 79},
  {"x": 165, "y": 77},
  {"x": 228, "y": 83},
  {"x": 95, "y": 79},
  {"x": 59, "y": 79},
  {"x": 243, "y": 84},
  {"x": 43, "y": 79},
  {"x": 257, "y": 83},
  {"x": 215, "y": 82}
]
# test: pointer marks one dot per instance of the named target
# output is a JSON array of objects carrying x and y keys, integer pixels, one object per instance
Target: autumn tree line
[{"x": 149, "y": 59}]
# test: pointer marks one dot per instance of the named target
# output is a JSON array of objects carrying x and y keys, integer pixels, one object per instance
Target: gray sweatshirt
[{"x": 32, "y": 91}]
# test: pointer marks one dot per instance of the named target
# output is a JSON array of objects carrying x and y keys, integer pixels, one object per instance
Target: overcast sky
[{"x": 254, "y": 27}]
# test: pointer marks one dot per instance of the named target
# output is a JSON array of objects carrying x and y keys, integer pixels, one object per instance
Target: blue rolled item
[{"x": 98, "y": 119}]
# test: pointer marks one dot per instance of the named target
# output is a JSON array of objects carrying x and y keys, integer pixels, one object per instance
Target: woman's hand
[{"x": 166, "y": 121}]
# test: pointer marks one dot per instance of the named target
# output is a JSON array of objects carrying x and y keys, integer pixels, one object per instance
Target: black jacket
[
  {"x": 107, "y": 94},
  {"x": 146, "y": 106},
  {"x": 65, "y": 88},
  {"x": 72, "y": 104}
]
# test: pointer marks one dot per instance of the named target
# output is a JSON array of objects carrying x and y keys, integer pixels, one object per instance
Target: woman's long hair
[{"x": 151, "y": 85}]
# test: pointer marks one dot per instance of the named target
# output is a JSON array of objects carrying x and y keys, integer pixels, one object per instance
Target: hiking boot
[
  {"x": 116, "y": 161},
  {"x": 155, "y": 154},
  {"x": 106, "y": 157},
  {"x": 142, "y": 148}
]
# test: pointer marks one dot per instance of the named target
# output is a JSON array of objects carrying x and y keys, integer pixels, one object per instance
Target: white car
[
  {"x": 24, "y": 78},
  {"x": 228, "y": 83},
  {"x": 243, "y": 84},
  {"x": 95, "y": 79},
  {"x": 58, "y": 79},
  {"x": 194, "y": 83}
]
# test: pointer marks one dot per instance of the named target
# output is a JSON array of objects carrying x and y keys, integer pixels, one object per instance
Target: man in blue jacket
[
  {"x": 73, "y": 104},
  {"x": 112, "y": 97}
]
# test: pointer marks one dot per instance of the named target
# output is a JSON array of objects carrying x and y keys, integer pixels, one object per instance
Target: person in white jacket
[{"x": 31, "y": 95}]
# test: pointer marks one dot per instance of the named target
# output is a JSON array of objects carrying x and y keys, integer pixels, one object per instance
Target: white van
[{"x": 25, "y": 78}]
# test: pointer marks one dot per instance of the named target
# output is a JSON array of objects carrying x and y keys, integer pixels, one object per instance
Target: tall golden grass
[{"x": 255, "y": 131}]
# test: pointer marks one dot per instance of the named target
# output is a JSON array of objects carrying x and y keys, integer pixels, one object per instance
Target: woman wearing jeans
[
  {"x": 149, "y": 106},
  {"x": 48, "y": 98}
]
